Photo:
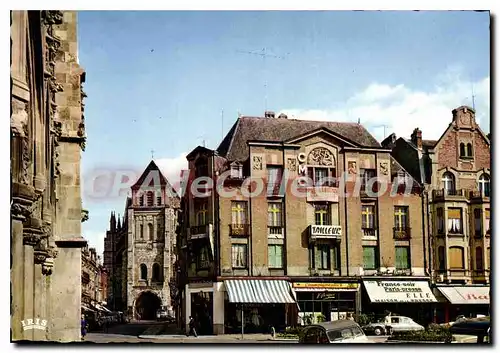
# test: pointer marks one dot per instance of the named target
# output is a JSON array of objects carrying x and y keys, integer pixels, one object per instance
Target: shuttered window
[
  {"x": 370, "y": 257},
  {"x": 402, "y": 257},
  {"x": 456, "y": 256}
]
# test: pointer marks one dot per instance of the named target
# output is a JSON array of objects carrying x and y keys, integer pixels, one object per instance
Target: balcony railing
[
  {"x": 402, "y": 233},
  {"x": 239, "y": 230},
  {"x": 478, "y": 194},
  {"x": 449, "y": 193},
  {"x": 456, "y": 231},
  {"x": 199, "y": 231},
  {"x": 275, "y": 231},
  {"x": 369, "y": 232}
]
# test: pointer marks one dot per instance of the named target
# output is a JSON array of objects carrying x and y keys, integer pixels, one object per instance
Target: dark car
[
  {"x": 340, "y": 331},
  {"x": 480, "y": 327}
]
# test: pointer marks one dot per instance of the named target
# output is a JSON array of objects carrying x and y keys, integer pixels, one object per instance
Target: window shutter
[{"x": 456, "y": 258}]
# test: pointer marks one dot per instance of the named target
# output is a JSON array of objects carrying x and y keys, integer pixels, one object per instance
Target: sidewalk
[{"x": 215, "y": 338}]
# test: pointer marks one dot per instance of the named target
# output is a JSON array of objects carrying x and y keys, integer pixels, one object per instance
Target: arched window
[
  {"x": 441, "y": 258},
  {"x": 462, "y": 150},
  {"x": 456, "y": 256},
  {"x": 144, "y": 272},
  {"x": 479, "y": 258},
  {"x": 156, "y": 273},
  {"x": 150, "y": 231},
  {"x": 141, "y": 231},
  {"x": 448, "y": 182},
  {"x": 484, "y": 185},
  {"x": 469, "y": 150}
]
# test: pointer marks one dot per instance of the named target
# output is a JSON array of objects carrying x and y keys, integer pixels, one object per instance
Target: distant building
[
  {"x": 456, "y": 172},
  {"x": 139, "y": 250},
  {"x": 92, "y": 271}
]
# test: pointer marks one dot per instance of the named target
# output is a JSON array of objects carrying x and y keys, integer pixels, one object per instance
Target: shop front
[
  {"x": 257, "y": 305},
  {"x": 326, "y": 301},
  {"x": 413, "y": 299},
  {"x": 466, "y": 300}
]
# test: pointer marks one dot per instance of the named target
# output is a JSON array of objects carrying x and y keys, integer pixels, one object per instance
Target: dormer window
[{"x": 236, "y": 171}]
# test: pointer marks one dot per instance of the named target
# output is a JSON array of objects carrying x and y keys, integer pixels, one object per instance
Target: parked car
[
  {"x": 395, "y": 323},
  {"x": 340, "y": 331},
  {"x": 480, "y": 327}
]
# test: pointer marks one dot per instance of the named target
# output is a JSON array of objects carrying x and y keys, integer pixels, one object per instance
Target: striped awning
[
  {"x": 86, "y": 308},
  {"x": 259, "y": 291}
]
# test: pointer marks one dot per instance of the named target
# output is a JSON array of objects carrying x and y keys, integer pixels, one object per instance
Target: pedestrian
[
  {"x": 192, "y": 328},
  {"x": 84, "y": 327}
]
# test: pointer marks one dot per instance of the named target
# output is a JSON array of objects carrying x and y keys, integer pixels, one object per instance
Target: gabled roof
[
  {"x": 151, "y": 167},
  {"x": 199, "y": 149},
  {"x": 234, "y": 146}
]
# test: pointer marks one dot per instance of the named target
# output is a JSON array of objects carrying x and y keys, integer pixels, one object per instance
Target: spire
[
  {"x": 119, "y": 222},
  {"x": 112, "y": 221}
]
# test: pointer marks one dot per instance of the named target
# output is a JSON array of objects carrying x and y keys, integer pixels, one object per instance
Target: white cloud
[
  {"x": 401, "y": 109},
  {"x": 95, "y": 240},
  {"x": 172, "y": 167}
]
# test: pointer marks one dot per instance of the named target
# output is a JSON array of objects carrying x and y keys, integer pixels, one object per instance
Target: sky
[{"x": 169, "y": 81}]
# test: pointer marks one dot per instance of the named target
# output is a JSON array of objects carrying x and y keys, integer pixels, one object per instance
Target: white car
[
  {"x": 394, "y": 323},
  {"x": 339, "y": 331}
]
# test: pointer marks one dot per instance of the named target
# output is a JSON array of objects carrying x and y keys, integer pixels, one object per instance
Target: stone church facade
[
  {"x": 144, "y": 261},
  {"x": 47, "y": 137}
]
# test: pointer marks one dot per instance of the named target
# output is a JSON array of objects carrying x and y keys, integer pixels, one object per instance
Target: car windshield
[{"x": 337, "y": 335}]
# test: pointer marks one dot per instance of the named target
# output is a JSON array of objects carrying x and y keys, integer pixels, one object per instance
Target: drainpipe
[
  {"x": 424, "y": 208},
  {"x": 345, "y": 218},
  {"x": 215, "y": 217},
  {"x": 250, "y": 247},
  {"x": 428, "y": 268},
  {"x": 285, "y": 262}
]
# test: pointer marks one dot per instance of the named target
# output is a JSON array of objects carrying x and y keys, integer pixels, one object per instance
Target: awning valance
[
  {"x": 86, "y": 308},
  {"x": 466, "y": 294},
  {"x": 259, "y": 291},
  {"x": 381, "y": 291}
]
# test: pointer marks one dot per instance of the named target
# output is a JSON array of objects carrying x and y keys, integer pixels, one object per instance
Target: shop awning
[
  {"x": 259, "y": 291},
  {"x": 86, "y": 308},
  {"x": 381, "y": 291},
  {"x": 466, "y": 294},
  {"x": 103, "y": 308}
]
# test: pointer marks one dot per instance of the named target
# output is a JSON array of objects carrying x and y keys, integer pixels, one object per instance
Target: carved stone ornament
[
  {"x": 384, "y": 168},
  {"x": 291, "y": 164},
  {"x": 257, "y": 162},
  {"x": 351, "y": 167},
  {"x": 321, "y": 156},
  {"x": 52, "y": 17},
  {"x": 17, "y": 209}
]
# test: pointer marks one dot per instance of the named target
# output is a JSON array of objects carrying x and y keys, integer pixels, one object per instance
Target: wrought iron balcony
[
  {"x": 369, "y": 232},
  {"x": 239, "y": 230},
  {"x": 275, "y": 231},
  {"x": 402, "y": 233},
  {"x": 199, "y": 231}
]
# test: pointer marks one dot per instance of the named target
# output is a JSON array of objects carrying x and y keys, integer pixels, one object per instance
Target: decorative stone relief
[
  {"x": 351, "y": 167},
  {"x": 321, "y": 156},
  {"x": 291, "y": 164},
  {"x": 257, "y": 162},
  {"x": 384, "y": 168}
]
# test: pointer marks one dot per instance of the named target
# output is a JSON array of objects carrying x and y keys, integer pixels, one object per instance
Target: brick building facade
[
  {"x": 47, "y": 137},
  {"x": 456, "y": 172},
  {"x": 319, "y": 247}
]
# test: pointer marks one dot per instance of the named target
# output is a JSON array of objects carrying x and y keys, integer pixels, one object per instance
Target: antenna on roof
[
  {"x": 473, "y": 97},
  {"x": 263, "y": 53}
]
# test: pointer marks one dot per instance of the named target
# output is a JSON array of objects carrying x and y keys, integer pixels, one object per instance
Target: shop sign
[
  {"x": 399, "y": 292},
  {"x": 326, "y": 231},
  {"x": 325, "y": 296},
  {"x": 324, "y": 286}
]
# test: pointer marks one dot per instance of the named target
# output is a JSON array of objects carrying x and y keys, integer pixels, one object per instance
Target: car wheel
[{"x": 378, "y": 331}]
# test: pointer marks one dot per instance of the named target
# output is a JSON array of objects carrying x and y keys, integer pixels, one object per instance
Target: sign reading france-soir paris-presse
[{"x": 399, "y": 292}]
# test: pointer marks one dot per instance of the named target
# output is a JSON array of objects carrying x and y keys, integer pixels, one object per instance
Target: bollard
[{"x": 273, "y": 332}]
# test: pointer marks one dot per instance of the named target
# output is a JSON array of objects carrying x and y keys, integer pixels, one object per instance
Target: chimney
[
  {"x": 416, "y": 138},
  {"x": 269, "y": 114}
]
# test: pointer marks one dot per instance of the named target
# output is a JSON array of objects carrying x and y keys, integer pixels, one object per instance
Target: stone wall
[{"x": 46, "y": 144}]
